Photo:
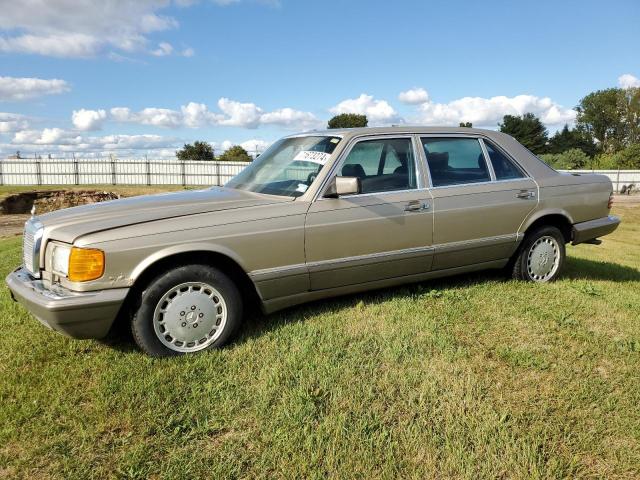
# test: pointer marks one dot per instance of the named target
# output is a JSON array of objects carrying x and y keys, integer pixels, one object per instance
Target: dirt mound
[{"x": 48, "y": 201}]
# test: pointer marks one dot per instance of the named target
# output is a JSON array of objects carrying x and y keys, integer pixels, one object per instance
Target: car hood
[{"x": 69, "y": 224}]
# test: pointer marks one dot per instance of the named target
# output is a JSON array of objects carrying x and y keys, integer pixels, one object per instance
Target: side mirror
[{"x": 343, "y": 186}]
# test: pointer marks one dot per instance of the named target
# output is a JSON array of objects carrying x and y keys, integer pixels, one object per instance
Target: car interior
[
  {"x": 382, "y": 165},
  {"x": 455, "y": 161}
]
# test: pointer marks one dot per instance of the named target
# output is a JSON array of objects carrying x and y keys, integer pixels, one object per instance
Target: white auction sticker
[{"x": 311, "y": 156}]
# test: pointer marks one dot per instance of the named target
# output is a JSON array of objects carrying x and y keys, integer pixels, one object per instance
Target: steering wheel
[{"x": 311, "y": 177}]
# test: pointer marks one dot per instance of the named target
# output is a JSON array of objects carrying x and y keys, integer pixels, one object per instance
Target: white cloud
[
  {"x": 22, "y": 88},
  {"x": 488, "y": 112},
  {"x": 377, "y": 111},
  {"x": 290, "y": 118},
  {"x": 12, "y": 122},
  {"x": 60, "y": 142},
  {"x": 628, "y": 81},
  {"x": 88, "y": 119},
  {"x": 47, "y": 136},
  {"x": 54, "y": 44},
  {"x": 238, "y": 114},
  {"x": 233, "y": 114},
  {"x": 164, "y": 49},
  {"x": 414, "y": 96},
  {"x": 195, "y": 115},
  {"x": 57, "y": 139},
  {"x": 82, "y": 28},
  {"x": 158, "y": 117}
]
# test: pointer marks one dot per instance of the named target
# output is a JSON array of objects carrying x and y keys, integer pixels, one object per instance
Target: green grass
[{"x": 470, "y": 377}]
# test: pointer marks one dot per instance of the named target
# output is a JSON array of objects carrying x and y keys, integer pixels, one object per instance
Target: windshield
[{"x": 286, "y": 168}]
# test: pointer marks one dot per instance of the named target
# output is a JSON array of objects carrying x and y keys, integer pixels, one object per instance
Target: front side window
[
  {"x": 455, "y": 161},
  {"x": 288, "y": 167},
  {"x": 382, "y": 165},
  {"x": 504, "y": 168}
]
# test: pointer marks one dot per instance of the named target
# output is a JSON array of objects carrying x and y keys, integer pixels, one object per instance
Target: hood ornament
[{"x": 33, "y": 211}]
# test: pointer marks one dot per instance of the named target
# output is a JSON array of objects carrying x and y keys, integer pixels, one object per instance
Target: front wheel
[
  {"x": 541, "y": 257},
  {"x": 186, "y": 310}
]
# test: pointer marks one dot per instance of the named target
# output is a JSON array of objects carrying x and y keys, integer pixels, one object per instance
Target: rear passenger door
[{"x": 480, "y": 199}]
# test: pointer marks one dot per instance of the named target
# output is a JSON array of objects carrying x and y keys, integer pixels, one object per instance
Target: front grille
[
  {"x": 31, "y": 241},
  {"x": 27, "y": 249}
]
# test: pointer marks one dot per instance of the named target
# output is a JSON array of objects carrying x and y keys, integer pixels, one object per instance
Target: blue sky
[{"x": 145, "y": 76}]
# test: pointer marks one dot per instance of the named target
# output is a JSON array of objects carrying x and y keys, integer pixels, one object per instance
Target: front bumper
[
  {"x": 75, "y": 314},
  {"x": 585, "y": 231}
]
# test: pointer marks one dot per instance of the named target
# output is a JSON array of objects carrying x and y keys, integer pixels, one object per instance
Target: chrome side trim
[
  {"x": 477, "y": 243},
  {"x": 376, "y": 194},
  {"x": 373, "y": 258},
  {"x": 368, "y": 259},
  {"x": 278, "y": 272}
]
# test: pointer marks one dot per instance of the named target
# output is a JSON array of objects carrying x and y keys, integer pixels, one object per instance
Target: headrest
[
  {"x": 438, "y": 160},
  {"x": 353, "y": 170}
]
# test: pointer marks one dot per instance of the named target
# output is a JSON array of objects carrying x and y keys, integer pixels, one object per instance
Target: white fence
[
  {"x": 165, "y": 172},
  {"x": 116, "y": 172},
  {"x": 617, "y": 177}
]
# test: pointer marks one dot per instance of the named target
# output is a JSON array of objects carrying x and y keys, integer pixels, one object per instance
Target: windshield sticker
[
  {"x": 302, "y": 188},
  {"x": 334, "y": 140},
  {"x": 314, "y": 157}
]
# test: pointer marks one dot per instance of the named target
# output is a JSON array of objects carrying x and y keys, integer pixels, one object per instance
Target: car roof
[{"x": 404, "y": 129}]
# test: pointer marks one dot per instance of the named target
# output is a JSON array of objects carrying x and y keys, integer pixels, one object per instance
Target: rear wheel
[
  {"x": 541, "y": 256},
  {"x": 186, "y": 310}
]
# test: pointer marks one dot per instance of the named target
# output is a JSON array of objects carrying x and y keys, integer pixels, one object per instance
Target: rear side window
[
  {"x": 504, "y": 168},
  {"x": 455, "y": 161}
]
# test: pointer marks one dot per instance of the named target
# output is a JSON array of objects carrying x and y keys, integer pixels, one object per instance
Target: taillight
[{"x": 610, "y": 203}]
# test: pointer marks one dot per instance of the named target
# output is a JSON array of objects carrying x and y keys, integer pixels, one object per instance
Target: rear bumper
[
  {"x": 75, "y": 314},
  {"x": 585, "y": 231}
]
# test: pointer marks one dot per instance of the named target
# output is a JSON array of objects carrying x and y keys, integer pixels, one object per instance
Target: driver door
[{"x": 384, "y": 232}]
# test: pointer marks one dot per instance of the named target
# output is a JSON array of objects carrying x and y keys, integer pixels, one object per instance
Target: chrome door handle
[
  {"x": 526, "y": 195},
  {"x": 416, "y": 206}
]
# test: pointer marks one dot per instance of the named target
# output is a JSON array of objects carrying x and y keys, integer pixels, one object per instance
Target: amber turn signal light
[{"x": 85, "y": 264}]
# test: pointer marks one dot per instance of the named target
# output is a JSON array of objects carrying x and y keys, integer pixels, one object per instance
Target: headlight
[
  {"x": 60, "y": 260},
  {"x": 78, "y": 264}
]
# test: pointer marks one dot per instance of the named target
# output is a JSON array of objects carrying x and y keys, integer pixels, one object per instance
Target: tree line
[
  {"x": 204, "y": 151},
  {"x": 606, "y": 134}
]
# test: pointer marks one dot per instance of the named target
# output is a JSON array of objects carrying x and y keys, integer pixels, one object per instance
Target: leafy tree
[
  {"x": 601, "y": 114},
  {"x": 348, "y": 120},
  {"x": 527, "y": 129},
  {"x": 235, "y": 154},
  {"x": 603, "y": 161},
  {"x": 466, "y": 124},
  {"x": 629, "y": 102},
  {"x": 629, "y": 158},
  {"x": 196, "y": 151},
  {"x": 567, "y": 139},
  {"x": 573, "y": 159}
]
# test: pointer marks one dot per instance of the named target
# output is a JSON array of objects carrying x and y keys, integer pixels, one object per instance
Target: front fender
[{"x": 184, "y": 248}]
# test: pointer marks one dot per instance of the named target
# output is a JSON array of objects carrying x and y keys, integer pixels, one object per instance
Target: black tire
[
  {"x": 142, "y": 321},
  {"x": 522, "y": 270}
]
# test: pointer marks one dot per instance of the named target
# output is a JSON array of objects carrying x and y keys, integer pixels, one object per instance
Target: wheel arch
[
  {"x": 220, "y": 258},
  {"x": 556, "y": 218}
]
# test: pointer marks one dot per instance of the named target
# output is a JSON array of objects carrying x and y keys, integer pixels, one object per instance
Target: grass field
[{"x": 470, "y": 377}]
